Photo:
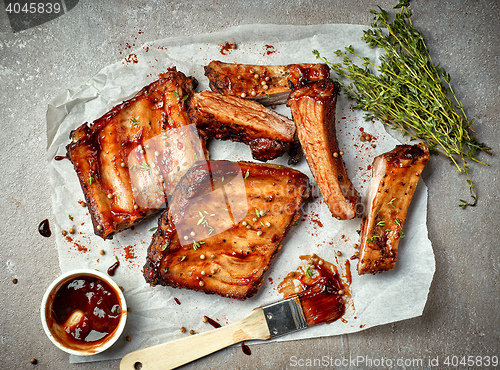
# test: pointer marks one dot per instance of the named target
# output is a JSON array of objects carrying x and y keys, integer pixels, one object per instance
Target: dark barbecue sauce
[
  {"x": 44, "y": 228},
  {"x": 113, "y": 267},
  {"x": 95, "y": 307},
  {"x": 60, "y": 157},
  {"x": 212, "y": 322},
  {"x": 246, "y": 350},
  {"x": 348, "y": 271}
]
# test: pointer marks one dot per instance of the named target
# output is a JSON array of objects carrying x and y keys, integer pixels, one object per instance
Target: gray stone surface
[{"x": 461, "y": 316}]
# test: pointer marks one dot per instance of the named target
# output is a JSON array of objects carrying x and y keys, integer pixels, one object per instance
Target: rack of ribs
[
  {"x": 395, "y": 178},
  {"x": 225, "y": 222},
  {"x": 132, "y": 157}
]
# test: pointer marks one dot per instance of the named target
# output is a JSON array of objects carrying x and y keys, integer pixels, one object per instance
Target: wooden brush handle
[{"x": 173, "y": 354}]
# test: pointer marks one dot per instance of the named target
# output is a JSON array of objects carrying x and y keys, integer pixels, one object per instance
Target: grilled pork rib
[
  {"x": 128, "y": 160},
  {"x": 313, "y": 110},
  {"x": 225, "y": 222},
  {"x": 266, "y": 84},
  {"x": 395, "y": 178},
  {"x": 269, "y": 134}
]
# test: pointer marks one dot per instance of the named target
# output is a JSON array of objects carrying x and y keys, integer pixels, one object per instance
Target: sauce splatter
[
  {"x": 44, "y": 228},
  {"x": 79, "y": 247},
  {"x": 226, "y": 48},
  {"x": 246, "y": 350},
  {"x": 113, "y": 267},
  {"x": 60, "y": 157},
  {"x": 177, "y": 301},
  {"x": 132, "y": 58},
  {"x": 212, "y": 322},
  {"x": 269, "y": 50},
  {"x": 315, "y": 219},
  {"x": 129, "y": 252}
]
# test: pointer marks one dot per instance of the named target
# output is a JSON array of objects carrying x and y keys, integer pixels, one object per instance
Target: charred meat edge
[{"x": 84, "y": 149}]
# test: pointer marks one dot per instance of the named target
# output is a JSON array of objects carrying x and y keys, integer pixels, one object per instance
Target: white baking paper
[{"x": 155, "y": 316}]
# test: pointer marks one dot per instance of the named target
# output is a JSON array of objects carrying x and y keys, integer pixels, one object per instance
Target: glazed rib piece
[
  {"x": 225, "y": 117},
  {"x": 225, "y": 223},
  {"x": 128, "y": 160},
  {"x": 313, "y": 110},
  {"x": 266, "y": 84},
  {"x": 395, "y": 178}
]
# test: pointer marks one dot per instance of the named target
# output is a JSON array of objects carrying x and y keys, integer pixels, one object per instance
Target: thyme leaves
[{"x": 408, "y": 92}]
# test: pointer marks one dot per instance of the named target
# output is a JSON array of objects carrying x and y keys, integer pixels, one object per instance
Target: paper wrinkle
[{"x": 155, "y": 316}]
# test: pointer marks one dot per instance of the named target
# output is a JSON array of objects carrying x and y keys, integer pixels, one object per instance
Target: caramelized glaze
[
  {"x": 313, "y": 109},
  {"x": 225, "y": 224},
  {"x": 268, "y": 85},
  {"x": 128, "y": 160},
  {"x": 395, "y": 178}
]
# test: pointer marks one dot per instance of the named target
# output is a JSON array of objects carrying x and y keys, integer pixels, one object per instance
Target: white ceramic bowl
[{"x": 56, "y": 333}]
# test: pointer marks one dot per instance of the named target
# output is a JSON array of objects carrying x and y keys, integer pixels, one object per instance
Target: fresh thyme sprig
[{"x": 408, "y": 92}]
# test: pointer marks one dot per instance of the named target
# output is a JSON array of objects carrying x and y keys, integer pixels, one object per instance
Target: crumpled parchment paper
[{"x": 155, "y": 316}]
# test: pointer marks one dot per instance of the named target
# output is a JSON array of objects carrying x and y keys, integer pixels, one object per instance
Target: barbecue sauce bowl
[{"x": 83, "y": 312}]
